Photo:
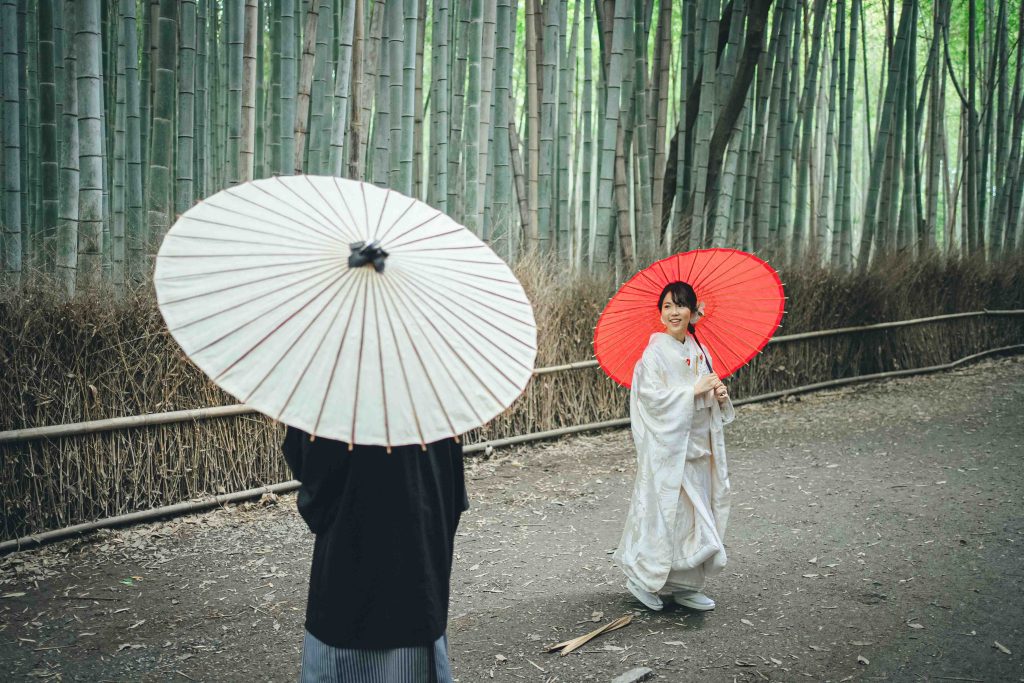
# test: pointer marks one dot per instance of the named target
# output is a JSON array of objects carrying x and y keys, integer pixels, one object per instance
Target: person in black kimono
[{"x": 385, "y": 531}]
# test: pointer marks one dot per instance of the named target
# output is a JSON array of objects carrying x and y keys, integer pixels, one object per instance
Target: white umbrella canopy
[{"x": 427, "y": 335}]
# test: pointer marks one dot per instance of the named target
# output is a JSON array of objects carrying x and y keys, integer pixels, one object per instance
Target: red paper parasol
[{"x": 743, "y": 305}]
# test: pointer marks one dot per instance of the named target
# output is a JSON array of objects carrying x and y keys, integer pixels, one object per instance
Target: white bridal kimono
[{"x": 680, "y": 505}]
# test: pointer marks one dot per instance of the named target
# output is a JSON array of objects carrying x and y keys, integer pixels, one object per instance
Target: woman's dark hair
[{"x": 683, "y": 295}]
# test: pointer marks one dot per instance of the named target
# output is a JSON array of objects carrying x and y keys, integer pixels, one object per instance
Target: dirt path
[{"x": 881, "y": 522}]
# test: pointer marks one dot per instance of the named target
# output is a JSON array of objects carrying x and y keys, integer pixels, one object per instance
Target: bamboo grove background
[{"x": 600, "y": 133}]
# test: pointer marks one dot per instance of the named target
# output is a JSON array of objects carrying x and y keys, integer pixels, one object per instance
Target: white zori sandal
[
  {"x": 694, "y": 600},
  {"x": 651, "y": 600}
]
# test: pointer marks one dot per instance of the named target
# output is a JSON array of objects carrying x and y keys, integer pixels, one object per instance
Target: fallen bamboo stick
[{"x": 570, "y": 645}]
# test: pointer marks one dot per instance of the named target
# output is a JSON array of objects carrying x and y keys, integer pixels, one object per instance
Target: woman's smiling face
[{"x": 675, "y": 317}]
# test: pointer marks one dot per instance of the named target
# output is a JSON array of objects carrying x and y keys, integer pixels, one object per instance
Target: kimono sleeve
[
  {"x": 664, "y": 409},
  {"x": 320, "y": 474}
]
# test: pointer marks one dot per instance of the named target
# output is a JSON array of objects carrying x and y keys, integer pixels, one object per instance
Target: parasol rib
[
  {"x": 479, "y": 354},
  {"x": 339, "y": 298},
  {"x": 405, "y": 375},
  {"x": 327, "y": 219},
  {"x": 277, "y": 328},
  {"x": 206, "y": 221},
  {"x": 207, "y": 273},
  {"x": 247, "y": 283},
  {"x": 451, "y": 375},
  {"x": 378, "y": 237},
  {"x": 351, "y": 213},
  {"x": 246, "y": 302},
  {"x": 392, "y": 247},
  {"x": 416, "y": 227},
  {"x": 326, "y": 223},
  {"x": 228, "y": 240},
  {"x": 432, "y": 286},
  {"x": 329, "y": 230},
  {"x": 359, "y": 362},
  {"x": 383, "y": 381},
  {"x": 337, "y": 357},
  {"x": 302, "y": 333}
]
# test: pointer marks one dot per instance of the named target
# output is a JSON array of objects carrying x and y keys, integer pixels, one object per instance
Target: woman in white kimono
[{"x": 680, "y": 505}]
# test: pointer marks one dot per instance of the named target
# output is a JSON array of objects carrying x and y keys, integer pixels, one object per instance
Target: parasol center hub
[{"x": 367, "y": 253}]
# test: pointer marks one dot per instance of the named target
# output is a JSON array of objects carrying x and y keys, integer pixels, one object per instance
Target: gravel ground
[{"x": 876, "y": 534}]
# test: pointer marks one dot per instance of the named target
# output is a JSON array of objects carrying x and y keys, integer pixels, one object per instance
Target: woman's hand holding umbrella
[{"x": 707, "y": 383}]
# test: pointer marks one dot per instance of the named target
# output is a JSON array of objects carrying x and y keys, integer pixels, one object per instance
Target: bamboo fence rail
[{"x": 177, "y": 416}]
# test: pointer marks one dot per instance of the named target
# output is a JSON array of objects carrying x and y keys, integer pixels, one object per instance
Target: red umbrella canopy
[{"x": 743, "y": 305}]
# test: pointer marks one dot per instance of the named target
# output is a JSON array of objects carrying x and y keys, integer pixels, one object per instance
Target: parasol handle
[
  {"x": 363, "y": 254},
  {"x": 707, "y": 357}
]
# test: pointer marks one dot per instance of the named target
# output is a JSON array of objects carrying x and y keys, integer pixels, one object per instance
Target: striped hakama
[{"x": 322, "y": 663}]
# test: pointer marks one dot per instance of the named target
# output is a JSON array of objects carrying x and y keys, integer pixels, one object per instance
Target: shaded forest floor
[{"x": 876, "y": 534}]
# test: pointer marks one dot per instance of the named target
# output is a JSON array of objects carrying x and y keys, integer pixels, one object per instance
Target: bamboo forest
[{"x": 600, "y": 134}]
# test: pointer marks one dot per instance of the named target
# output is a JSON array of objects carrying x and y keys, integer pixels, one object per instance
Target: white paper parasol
[{"x": 426, "y": 336}]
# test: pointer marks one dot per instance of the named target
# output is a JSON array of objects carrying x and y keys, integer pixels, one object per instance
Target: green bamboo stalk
[
  {"x": 787, "y": 137},
  {"x": 936, "y": 111},
  {"x": 12, "y": 142},
  {"x": 88, "y": 53},
  {"x": 146, "y": 93},
  {"x": 420, "y": 106},
  {"x": 305, "y": 84},
  {"x": 437, "y": 195},
  {"x": 379, "y": 168},
  {"x": 408, "y": 98},
  {"x": 886, "y": 124},
  {"x": 184, "y": 159},
  {"x": 822, "y": 239},
  {"x": 564, "y": 156},
  {"x": 503, "y": 111},
  {"x": 471, "y": 123},
  {"x": 659, "y": 101},
  {"x": 134, "y": 220},
  {"x": 457, "y": 161},
  {"x": 322, "y": 95},
  {"x": 249, "y": 29},
  {"x": 274, "y": 94},
  {"x": 587, "y": 161},
  {"x": 118, "y": 194},
  {"x": 374, "y": 62},
  {"x": 702, "y": 225},
  {"x": 260, "y": 135},
  {"x": 355, "y": 139},
  {"x": 609, "y": 137},
  {"x": 845, "y": 163},
  {"x": 547, "y": 223},
  {"x": 973, "y": 162},
  {"x": 532, "y": 128},
  {"x": 801, "y": 231},
  {"x": 396, "y": 34},
  {"x": 289, "y": 87},
  {"x": 49, "y": 170},
  {"x": 906, "y": 241},
  {"x": 28, "y": 35},
  {"x": 234, "y": 24},
  {"x": 342, "y": 87},
  {"x": 646, "y": 237},
  {"x": 67, "y": 226}
]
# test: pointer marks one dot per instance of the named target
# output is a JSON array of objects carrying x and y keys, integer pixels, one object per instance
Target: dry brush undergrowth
[{"x": 99, "y": 356}]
